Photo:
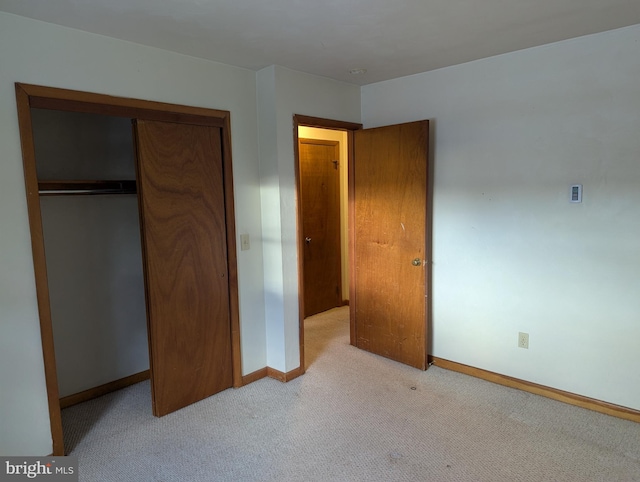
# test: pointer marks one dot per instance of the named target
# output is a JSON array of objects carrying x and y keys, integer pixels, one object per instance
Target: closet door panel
[{"x": 181, "y": 195}]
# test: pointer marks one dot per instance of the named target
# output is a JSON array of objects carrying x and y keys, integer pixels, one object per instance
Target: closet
[{"x": 133, "y": 236}]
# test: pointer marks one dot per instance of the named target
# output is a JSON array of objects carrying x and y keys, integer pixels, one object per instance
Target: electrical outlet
[{"x": 523, "y": 340}]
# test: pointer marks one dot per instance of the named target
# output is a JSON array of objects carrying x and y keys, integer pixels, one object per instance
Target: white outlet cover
[{"x": 523, "y": 340}]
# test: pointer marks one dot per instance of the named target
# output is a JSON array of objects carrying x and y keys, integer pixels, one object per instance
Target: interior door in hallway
[
  {"x": 390, "y": 241},
  {"x": 182, "y": 209},
  {"x": 320, "y": 207}
]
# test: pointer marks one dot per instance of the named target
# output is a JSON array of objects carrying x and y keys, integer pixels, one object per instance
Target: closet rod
[{"x": 67, "y": 188}]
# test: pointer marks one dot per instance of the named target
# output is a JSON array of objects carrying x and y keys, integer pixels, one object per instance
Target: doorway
[
  {"x": 331, "y": 141},
  {"x": 389, "y": 237}
]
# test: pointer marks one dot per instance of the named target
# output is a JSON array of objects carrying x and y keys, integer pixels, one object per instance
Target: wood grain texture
[
  {"x": 320, "y": 206},
  {"x": 390, "y": 203},
  {"x": 72, "y": 100},
  {"x": 351, "y": 213},
  {"x": 272, "y": 373},
  {"x": 254, "y": 376},
  {"x": 309, "y": 121},
  {"x": 101, "y": 390},
  {"x": 560, "y": 395},
  {"x": 284, "y": 377},
  {"x": 183, "y": 220},
  {"x": 40, "y": 268},
  {"x": 232, "y": 260}
]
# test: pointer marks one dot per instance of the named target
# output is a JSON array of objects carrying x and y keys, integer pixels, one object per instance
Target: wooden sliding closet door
[{"x": 182, "y": 210}]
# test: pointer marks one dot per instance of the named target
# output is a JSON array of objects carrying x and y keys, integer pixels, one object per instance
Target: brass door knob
[{"x": 416, "y": 262}]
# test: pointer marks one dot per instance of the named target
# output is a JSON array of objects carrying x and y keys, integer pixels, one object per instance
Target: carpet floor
[{"x": 353, "y": 416}]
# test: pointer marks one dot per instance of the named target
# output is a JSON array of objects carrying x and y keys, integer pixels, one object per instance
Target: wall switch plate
[
  {"x": 245, "y": 243},
  {"x": 523, "y": 340}
]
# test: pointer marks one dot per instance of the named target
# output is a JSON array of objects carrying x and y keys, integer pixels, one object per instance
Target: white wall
[
  {"x": 39, "y": 53},
  {"x": 511, "y": 134},
  {"x": 281, "y": 94},
  {"x": 271, "y": 222},
  {"x": 341, "y": 138},
  {"x": 96, "y": 288}
]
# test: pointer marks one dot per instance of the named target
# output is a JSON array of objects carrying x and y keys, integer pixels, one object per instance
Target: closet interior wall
[{"x": 93, "y": 250}]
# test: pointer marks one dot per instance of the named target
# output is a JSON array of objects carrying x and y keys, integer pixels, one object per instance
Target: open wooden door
[
  {"x": 320, "y": 205},
  {"x": 390, "y": 245},
  {"x": 182, "y": 209}
]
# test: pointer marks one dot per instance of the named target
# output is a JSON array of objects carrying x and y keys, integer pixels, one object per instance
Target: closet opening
[
  {"x": 133, "y": 238},
  {"x": 90, "y": 223}
]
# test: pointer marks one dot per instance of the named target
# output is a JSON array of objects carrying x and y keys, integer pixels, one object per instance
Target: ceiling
[{"x": 389, "y": 38}]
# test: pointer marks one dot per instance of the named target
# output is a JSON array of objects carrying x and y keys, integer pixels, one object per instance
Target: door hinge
[{"x": 335, "y": 164}]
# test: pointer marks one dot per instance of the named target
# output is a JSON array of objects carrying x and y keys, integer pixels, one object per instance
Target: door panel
[
  {"x": 320, "y": 206},
  {"x": 182, "y": 209},
  {"x": 390, "y": 203}
]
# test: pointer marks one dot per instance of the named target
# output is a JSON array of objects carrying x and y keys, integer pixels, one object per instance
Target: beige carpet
[{"x": 353, "y": 416}]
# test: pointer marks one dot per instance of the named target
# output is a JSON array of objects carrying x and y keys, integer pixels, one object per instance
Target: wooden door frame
[
  {"x": 33, "y": 96},
  {"x": 349, "y": 128}
]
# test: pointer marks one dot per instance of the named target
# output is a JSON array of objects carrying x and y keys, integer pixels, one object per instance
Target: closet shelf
[{"x": 69, "y": 188}]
